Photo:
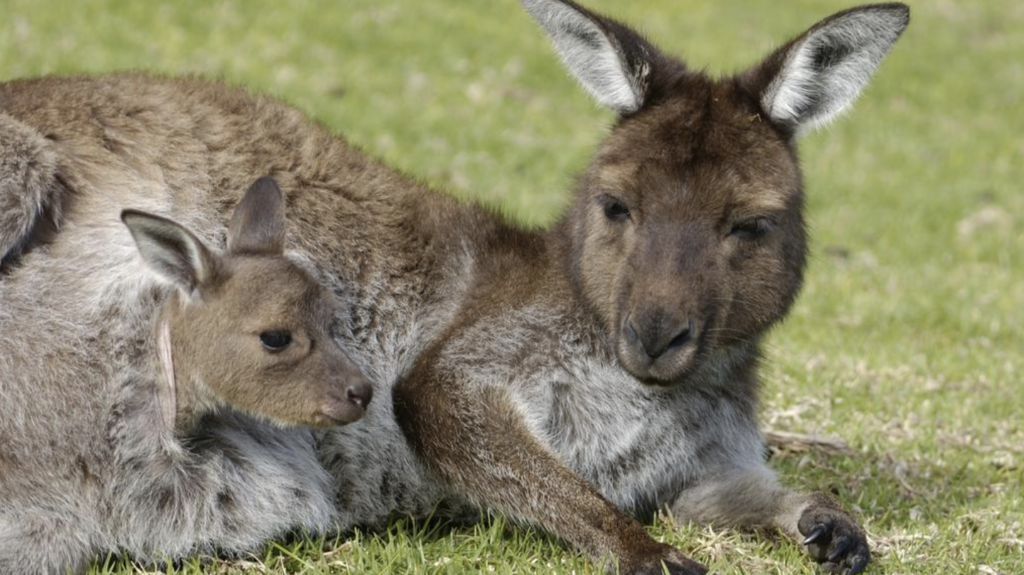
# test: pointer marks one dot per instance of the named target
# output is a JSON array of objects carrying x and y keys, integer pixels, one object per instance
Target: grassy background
[{"x": 907, "y": 341}]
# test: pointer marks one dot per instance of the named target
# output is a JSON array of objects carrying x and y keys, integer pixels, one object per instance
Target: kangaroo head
[
  {"x": 687, "y": 230},
  {"x": 248, "y": 328}
]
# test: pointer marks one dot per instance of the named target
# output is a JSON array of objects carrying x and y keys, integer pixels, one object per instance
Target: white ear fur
[
  {"x": 591, "y": 55},
  {"x": 168, "y": 389},
  {"x": 170, "y": 250},
  {"x": 825, "y": 70}
]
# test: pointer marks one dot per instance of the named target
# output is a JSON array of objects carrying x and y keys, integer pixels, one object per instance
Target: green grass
[{"x": 907, "y": 341}]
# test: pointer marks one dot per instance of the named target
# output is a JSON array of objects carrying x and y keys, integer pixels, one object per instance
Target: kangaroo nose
[
  {"x": 359, "y": 393},
  {"x": 657, "y": 333}
]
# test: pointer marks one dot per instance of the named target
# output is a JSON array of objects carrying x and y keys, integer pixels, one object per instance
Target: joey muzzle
[{"x": 348, "y": 402}]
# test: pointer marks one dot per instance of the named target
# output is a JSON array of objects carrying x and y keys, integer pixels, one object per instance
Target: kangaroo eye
[
  {"x": 751, "y": 229},
  {"x": 275, "y": 340},
  {"x": 615, "y": 210}
]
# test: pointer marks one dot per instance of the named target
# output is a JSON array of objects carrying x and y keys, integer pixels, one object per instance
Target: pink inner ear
[{"x": 166, "y": 387}]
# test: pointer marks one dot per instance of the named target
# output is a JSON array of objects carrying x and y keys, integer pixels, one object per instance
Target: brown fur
[
  {"x": 608, "y": 364},
  {"x": 675, "y": 252}
]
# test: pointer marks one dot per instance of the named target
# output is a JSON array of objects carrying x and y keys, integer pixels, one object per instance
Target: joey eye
[
  {"x": 275, "y": 340},
  {"x": 751, "y": 229},
  {"x": 616, "y": 210}
]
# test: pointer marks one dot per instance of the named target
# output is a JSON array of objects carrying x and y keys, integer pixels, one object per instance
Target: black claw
[
  {"x": 815, "y": 534},
  {"x": 842, "y": 545},
  {"x": 858, "y": 565}
]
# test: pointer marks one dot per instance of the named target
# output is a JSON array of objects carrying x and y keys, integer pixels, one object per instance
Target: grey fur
[
  {"x": 28, "y": 188},
  {"x": 99, "y": 472},
  {"x": 486, "y": 318}
]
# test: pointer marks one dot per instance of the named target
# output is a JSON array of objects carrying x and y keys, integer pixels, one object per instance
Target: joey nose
[
  {"x": 347, "y": 402},
  {"x": 359, "y": 393},
  {"x": 655, "y": 334}
]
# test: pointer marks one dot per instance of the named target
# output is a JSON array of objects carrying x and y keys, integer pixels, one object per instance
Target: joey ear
[
  {"x": 612, "y": 62},
  {"x": 171, "y": 251},
  {"x": 258, "y": 224},
  {"x": 816, "y": 77}
]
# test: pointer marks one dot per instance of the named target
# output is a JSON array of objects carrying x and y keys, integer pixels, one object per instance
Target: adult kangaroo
[{"x": 575, "y": 378}]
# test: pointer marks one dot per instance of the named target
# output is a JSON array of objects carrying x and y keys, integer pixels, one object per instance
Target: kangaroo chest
[{"x": 638, "y": 445}]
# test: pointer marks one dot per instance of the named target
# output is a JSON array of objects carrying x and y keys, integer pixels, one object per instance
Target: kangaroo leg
[
  {"x": 753, "y": 497},
  {"x": 28, "y": 183},
  {"x": 475, "y": 441},
  {"x": 43, "y": 541}
]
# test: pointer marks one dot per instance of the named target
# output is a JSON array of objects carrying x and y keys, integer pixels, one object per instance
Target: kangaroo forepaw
[{"x": 835, "y": 540}]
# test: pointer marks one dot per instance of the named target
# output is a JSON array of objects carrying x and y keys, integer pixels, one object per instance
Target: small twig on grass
[{"x": 797, "y": 442}]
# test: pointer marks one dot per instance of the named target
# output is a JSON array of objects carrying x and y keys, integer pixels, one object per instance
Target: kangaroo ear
[
  {"x": 816, "y": 77},
  {"x": 257, "y": 226},
  {"x": 171, "y": 251},
  {"x": 612, "y": 62}
]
